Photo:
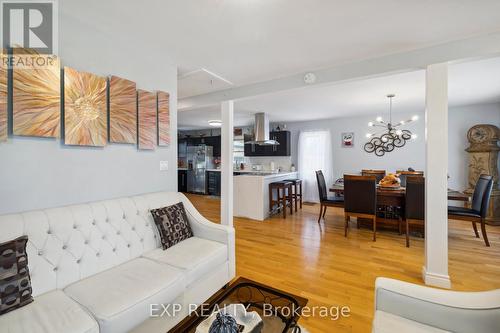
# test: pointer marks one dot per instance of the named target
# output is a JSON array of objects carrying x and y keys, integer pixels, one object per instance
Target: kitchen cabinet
[
  {"x": 182, "y": 180},
  {"x": 284, "y": 138},
  {"x": 283, "y": 149},
  {"x": 213, "y": 141},
  {"x": 213, "y": 183}
]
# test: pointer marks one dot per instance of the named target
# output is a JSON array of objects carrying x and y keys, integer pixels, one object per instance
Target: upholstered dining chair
[
  {"x": 379, "y": 174},
  {"x": 324, "y": 200},
  {"x": 403, "y": 175},
  {"x": 479, "y": 208},
  {"x": 414, "y": 204},
  {"x": 360, "y": 200}
]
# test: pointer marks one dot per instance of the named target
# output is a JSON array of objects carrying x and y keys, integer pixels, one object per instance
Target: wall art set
[{"x": 94, "y": 110}]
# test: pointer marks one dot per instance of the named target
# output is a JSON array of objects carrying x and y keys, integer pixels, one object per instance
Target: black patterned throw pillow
[
  {"x": 172, "y": 224},
  {"x": 15, "y": 283}
]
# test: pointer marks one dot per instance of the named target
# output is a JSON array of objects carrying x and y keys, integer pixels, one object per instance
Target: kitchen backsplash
[{"x": 284, "y": 162}]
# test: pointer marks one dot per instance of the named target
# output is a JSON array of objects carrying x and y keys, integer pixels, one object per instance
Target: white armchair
[{"x": 410, "y": 308}]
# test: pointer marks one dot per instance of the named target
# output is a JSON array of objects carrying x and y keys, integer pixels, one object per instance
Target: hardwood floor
[{"x": 316, "y": 261}]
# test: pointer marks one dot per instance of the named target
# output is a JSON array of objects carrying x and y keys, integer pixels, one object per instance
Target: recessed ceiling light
[{"x": 215, "y": 123}]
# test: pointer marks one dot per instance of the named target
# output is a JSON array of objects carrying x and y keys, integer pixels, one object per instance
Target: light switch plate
[{"x": 163, "y": 165}]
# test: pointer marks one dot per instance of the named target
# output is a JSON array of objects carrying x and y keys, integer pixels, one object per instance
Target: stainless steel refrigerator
[{"x": 199, "y": 158}]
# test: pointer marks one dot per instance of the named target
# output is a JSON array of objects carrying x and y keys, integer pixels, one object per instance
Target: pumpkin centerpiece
[{"x": 391, "y": 180}]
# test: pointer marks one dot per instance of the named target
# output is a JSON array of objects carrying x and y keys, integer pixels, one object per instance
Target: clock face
[{"x": 479, "y": 135}]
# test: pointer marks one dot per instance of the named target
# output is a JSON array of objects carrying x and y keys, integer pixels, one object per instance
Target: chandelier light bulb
[{"x": 392, "y": 137}]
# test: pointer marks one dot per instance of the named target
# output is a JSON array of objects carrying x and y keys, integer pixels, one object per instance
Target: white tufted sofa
[{"x": 97, "y": 267}]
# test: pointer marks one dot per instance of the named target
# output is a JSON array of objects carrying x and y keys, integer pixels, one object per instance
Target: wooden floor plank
[{"x": 316, "y": 261}]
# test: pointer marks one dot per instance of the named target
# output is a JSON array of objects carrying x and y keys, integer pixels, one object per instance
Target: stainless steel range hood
[{"x": 261, "y": 131}]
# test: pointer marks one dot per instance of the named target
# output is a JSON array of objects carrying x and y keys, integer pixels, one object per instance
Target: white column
[
  {"x": 435, "y": 271},
  {"x": 226, "y": 202}
]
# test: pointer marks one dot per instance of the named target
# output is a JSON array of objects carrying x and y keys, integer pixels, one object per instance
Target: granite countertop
[
  {"x": 268, "y": 174},
  {"x": 254, "y": 173}
]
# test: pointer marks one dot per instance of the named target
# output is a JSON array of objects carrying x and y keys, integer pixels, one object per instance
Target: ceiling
[
  {"x": 469, "y": 83},
  {"x": 239, "y": 42},
  {"x": 245, "y": 41}
]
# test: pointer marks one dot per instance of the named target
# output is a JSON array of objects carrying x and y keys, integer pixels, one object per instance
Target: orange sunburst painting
[
  {"x": 3, "y": 96},
  {"x": 163, "y": 118},
  {"x": 122, "y": 110},
  {"x": 85, "y": 116},
  {"x": 37, "y": 99},
  {"x": 147, "y": 119}
]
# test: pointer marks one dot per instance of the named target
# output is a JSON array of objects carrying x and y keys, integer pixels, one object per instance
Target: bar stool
[
  {"x": 283, "y": 196},
  {"x": 297, "y": 191}
]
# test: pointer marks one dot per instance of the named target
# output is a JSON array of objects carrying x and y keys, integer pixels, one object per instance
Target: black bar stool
[
  {"x": 283, "y": 196},
  {"x": 297, "y": 191}
]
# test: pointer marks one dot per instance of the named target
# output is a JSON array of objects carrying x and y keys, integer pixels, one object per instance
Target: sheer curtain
[{"x": 315, "y": 153}]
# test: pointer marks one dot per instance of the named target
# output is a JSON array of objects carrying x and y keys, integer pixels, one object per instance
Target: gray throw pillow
[
  {"x": 172, "y": 223},
  {"x": 15, "y": 283}
]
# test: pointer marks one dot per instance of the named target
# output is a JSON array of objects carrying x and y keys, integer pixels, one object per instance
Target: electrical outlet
[{"x": 163, "y": 165}]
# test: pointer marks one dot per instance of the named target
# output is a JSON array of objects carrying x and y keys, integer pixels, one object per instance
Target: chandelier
[{"x": 391, "y": 137}]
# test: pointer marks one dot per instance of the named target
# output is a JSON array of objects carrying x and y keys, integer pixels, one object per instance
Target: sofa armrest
[
  {"x": 448, "y": 310},
  {"x": 203, "y": 228}
]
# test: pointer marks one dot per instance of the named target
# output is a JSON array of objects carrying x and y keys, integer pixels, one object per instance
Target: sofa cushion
[
  {"x": 15, "y": 284},
  {"x": 197, "y": 256},
  {"x": 385, "y": 322},
  {"x": 172, "y": 223},
  {"x": 52, "y": 312},
  {"x": 120, "y": 298}
]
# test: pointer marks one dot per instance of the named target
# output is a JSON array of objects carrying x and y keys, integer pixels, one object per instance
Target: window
[{"x": 315, "y": 153}]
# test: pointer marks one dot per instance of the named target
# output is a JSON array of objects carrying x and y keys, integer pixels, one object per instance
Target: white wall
[
  {"x": 352, "y": 160},
  {"x": 37, "y": 173}
]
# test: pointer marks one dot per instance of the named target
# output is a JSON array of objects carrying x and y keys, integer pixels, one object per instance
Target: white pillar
[
  {"x": 226, "y": 202},
  {"x": 435, "y": 271}
]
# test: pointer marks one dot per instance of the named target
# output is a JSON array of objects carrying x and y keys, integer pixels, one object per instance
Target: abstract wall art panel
[
  {"x": 85, "y": 112},
  {"x": 163, "y": 118},
  {"x": 122, "y": 110},
  {"x": 37, "y": 99},
  {"x": 3, "y": 96},
  {"x": 147, "y": 119}
]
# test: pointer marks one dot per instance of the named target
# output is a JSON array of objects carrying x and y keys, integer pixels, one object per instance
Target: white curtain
[{"x": 315, "y": 153}]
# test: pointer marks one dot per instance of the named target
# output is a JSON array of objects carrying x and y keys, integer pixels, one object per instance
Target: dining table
[
  {"x": 401, "y": 192},
  {"x": 391, "y": 203}
]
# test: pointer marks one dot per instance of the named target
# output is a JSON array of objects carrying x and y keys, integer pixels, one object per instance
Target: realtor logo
[{"x": 30, "y": 24}]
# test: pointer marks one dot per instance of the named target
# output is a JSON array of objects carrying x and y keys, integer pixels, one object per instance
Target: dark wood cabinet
[
  {"x": 283, "y": 149},
  {"x": 182, "y": 180},
  {"x": 213, "y": 141},
  {"x": 213, "y": 183},
  {"x": 284, "y": 139}
]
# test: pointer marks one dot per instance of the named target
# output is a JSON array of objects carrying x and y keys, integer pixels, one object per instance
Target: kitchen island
[{"x": 251, "y": 193}]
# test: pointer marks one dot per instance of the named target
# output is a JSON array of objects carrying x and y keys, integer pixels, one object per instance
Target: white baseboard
[{"x": 436, "y": 280}]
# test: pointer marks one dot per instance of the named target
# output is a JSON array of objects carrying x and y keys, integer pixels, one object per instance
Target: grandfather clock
[{"x": 483, "y": 158}]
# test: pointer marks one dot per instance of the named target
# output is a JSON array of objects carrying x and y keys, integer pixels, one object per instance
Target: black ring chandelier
[{"x": 391, "y": 138}]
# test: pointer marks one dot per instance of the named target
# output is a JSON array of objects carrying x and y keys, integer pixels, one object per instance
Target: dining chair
[
  {"x": 403, "y": 175},
  {"x": 379, "y": 174},
  {"x": 324, "y": 200},
  {"x": 479, "y": 208},
  {"x": 414, "y": 204},
  {"x": 360, "y": 200}
]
